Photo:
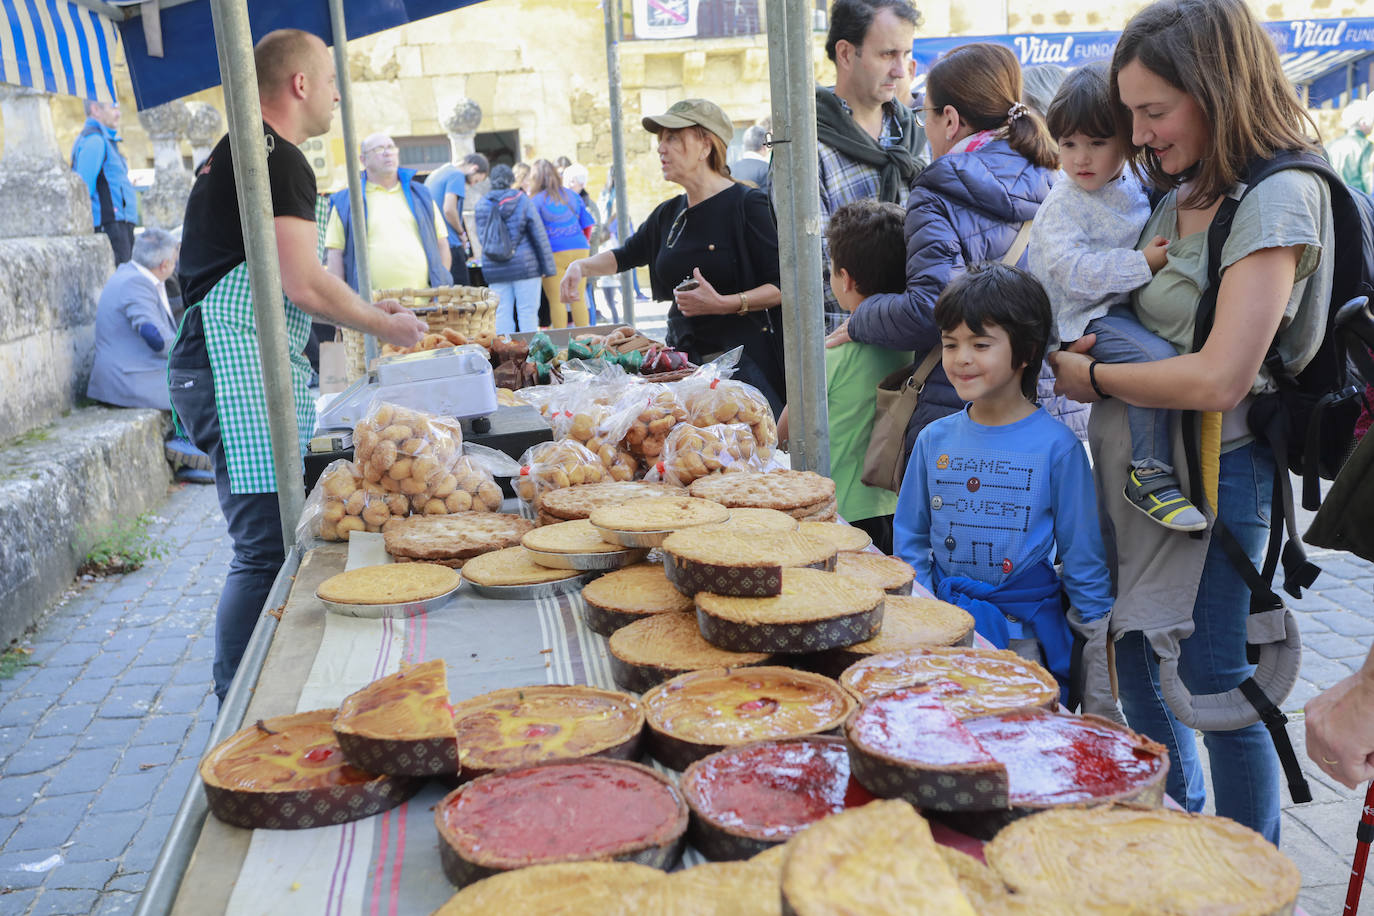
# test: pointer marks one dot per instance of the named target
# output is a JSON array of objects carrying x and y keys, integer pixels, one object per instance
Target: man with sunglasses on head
[{"x": 868, "y": 140}]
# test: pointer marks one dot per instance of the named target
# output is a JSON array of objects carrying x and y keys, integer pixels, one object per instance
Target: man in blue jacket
[
  {"x": 407, "y": 238},
  {"x": 97, "y": 159}
]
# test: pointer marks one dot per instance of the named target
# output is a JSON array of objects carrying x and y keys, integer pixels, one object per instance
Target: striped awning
[{"x": 58, "y": 47}]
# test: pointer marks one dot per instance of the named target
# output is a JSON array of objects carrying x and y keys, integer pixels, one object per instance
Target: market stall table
[{"x": 389, "y": 862}]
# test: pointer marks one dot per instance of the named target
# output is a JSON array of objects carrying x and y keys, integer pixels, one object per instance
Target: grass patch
[
  {"x": 122, "y": 547},
  {"x": 12, "y": 659},
  {"x": 32, "y": 437}
]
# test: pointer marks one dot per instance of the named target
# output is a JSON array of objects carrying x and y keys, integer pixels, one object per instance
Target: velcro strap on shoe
[{"x": 1146, "y": 486}]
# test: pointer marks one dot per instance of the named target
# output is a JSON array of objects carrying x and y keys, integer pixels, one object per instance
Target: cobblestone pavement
[{"x": 100, "y": 735}]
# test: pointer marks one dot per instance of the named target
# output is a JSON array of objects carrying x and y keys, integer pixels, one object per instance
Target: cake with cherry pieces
[
  {"x": 515, "y": 726},
  {"x": 289, "y": 773},
  {"x": 750, "y": 798},
  {"x": 702, "y": 712}
]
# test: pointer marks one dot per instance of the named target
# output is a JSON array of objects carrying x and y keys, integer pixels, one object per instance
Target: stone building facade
[{"x": 537, "y": 69}]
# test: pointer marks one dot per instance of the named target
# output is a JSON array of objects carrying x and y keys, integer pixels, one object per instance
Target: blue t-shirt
[
  {"x": 562, "y": 223},
  {"x": 455, "y": 182},
  {"x": 988, "y": 502}
]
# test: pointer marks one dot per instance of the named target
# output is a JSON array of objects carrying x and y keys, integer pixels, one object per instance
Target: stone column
[
  {"x": 164, "y": 204},
  {"x": 204, "y": 130},
  {"x": 39, "y": 193},
  {"x": 461, "y": 125}
]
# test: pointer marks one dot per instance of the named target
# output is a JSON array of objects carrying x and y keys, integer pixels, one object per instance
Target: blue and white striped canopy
[{"x": 56, "y": 46}]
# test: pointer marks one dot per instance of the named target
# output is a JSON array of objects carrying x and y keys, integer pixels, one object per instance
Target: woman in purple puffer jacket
[{"x": 993, "y": 163}]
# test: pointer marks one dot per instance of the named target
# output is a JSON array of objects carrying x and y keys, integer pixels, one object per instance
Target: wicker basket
[{"x": 469, "y": 310}]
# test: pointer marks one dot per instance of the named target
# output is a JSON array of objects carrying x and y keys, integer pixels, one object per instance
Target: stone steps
[{"x": 61, "y": 484}]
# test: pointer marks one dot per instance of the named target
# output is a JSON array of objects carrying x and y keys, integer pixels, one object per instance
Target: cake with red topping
[
  {"x": 908, "y": 744},
  {"x": 561, "y": 811},
  {"x": 747, "y": 799},
  {"x": 969, "y": 681}
]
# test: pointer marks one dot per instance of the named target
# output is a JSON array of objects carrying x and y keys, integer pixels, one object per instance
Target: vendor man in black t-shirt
[{"x": 214, "y": 370}]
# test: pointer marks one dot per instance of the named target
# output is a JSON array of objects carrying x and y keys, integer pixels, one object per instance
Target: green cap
[{"x": 700, "y": 112}]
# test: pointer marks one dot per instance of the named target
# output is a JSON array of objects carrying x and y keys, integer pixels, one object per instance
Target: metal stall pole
[
  {"x": 611, "y": 9},
  {"x": 235, "y": 42},
  {"x": 355, "y": 180},
  {"x": 797, "y": 200}
]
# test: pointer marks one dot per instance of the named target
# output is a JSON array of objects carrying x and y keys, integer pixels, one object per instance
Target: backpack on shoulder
[
  {"x": 497, "y": 244},
  {"x": 1309, "y": 423}
]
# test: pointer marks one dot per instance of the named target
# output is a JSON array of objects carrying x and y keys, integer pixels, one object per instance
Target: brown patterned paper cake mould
[
  {"x": 401, "y": 724},
  {"x": 289, "y": 773}
]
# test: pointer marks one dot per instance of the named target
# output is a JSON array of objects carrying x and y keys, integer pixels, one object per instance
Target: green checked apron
[{"x": 231, "y": 341}]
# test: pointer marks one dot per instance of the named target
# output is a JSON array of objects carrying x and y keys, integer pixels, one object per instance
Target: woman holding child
[
  {"x": 992, "y": 164},
  {"x": 712, "y": 250},
  {"x": 1202, "y": 94}
]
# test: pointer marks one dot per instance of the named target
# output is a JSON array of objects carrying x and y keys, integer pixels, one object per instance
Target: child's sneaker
[{"x": 1157, "y": 495}]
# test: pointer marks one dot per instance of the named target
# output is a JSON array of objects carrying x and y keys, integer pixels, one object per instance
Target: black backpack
[
  {"x": 1308, "y": 422},
  {"x": 497, "y": 245}
]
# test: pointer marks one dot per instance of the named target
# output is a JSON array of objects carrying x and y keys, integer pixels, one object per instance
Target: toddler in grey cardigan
[{"x": 1083, "y": 250}]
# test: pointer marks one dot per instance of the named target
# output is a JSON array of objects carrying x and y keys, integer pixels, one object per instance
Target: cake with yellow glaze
[
  {"x": 523, "y": 725},
  {"x": 700, "y": 712},
  {"x": 288, "y": 772},
  {"x": 969, "y": 681},
  {"x": 401, "y": 724}
]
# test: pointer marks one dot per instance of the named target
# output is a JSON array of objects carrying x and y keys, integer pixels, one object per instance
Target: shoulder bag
[{"x": 897, "y": 396}]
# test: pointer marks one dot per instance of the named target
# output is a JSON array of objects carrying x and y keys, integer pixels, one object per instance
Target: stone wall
[
  {"x": 48, "y": 292},
  {"x": 59, "y": 490}
]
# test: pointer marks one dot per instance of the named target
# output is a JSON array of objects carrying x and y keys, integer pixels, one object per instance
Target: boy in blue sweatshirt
[{"x": 992, "y": 492}]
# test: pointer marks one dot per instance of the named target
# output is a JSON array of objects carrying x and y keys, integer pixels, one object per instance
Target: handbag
[{"x": 897, "y": 396}]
